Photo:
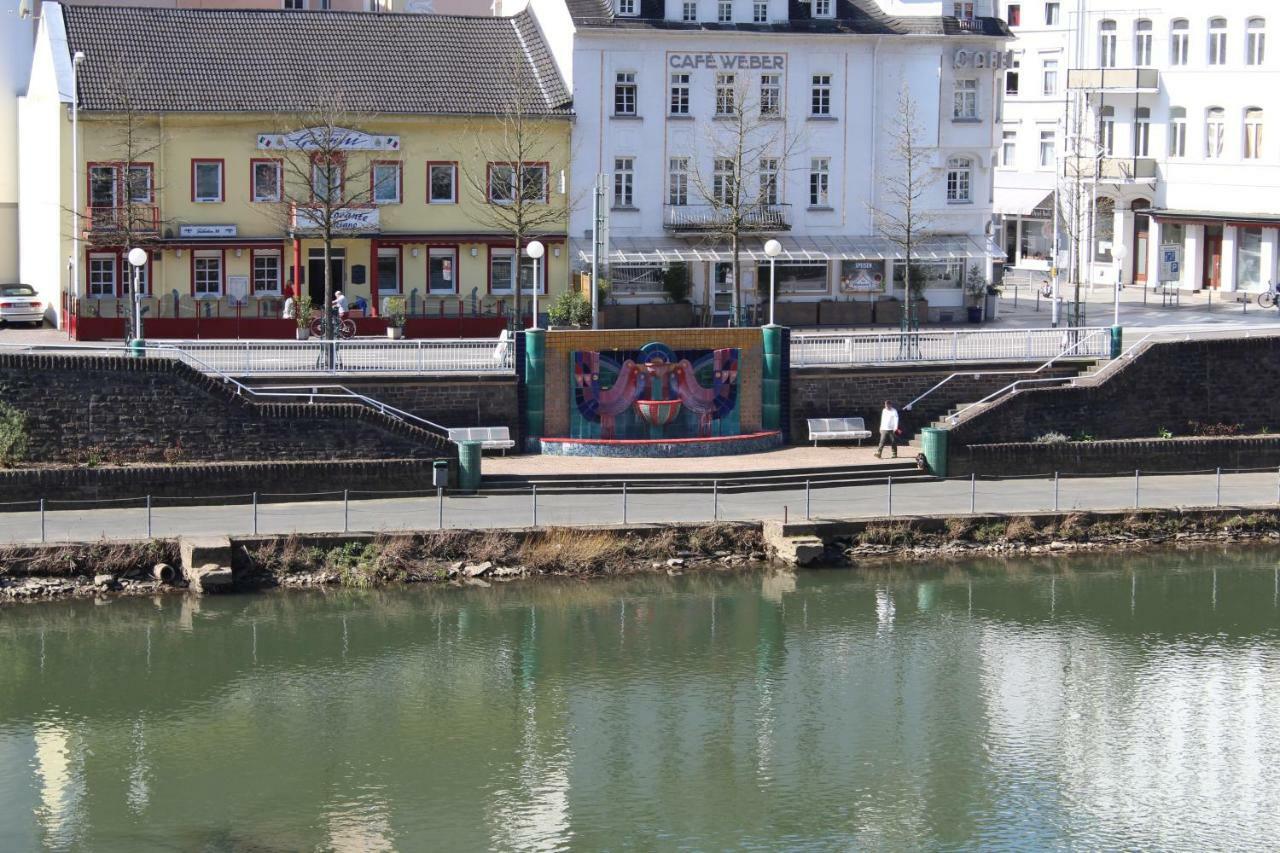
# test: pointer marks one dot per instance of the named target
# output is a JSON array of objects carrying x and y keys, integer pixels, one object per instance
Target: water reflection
[{"x": 1031, "y": 705}]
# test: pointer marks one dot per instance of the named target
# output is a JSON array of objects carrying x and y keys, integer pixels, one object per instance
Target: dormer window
[
  {"x": 962, "y": 11},
  {"x": 823, "y": 9},
  {"x": 629, "y": 8}
]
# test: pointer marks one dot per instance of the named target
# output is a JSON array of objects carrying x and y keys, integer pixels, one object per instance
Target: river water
[{"x": 1120, "y": 702}]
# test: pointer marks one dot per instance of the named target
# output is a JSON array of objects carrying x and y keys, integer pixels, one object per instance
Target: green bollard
[
  {"x": 137, "y": 348},
  {"x": 535, "y": 356},
  {"x": 771, "y": 381},
  {"x": 1117, "y": 341},
  {"x": 933, "y": 441}
]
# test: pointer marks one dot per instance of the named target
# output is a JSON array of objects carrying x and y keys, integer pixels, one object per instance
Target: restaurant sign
[
  {"x": 861, "y": 276},
  {"x": 728, "y": 61},
  {"x": 329, "y": 139},
  {"x": 206, "y": 230},
  {"x": 982, "y": 59},
  {"x": 308, "y": 218}
]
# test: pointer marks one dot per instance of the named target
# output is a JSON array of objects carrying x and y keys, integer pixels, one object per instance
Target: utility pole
[{"x": 599, "y": 244}]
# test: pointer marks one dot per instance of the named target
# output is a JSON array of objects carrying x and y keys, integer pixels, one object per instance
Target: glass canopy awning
[{"x": 795, "y": 250}]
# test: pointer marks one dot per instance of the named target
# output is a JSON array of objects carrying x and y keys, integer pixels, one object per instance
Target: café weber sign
[
  {"x": 728, "y": 61},
  {"x": 982, "y": 59}
]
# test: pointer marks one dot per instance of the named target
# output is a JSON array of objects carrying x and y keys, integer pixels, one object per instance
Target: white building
[
  {"x": 1172, "y": 99},
  {"x": 659, "y": 93}
]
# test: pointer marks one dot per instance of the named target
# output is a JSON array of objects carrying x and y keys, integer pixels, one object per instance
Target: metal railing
[
  {"x": 245, "y": 358},
  {"x": 833, "y": 350},
  {"x": 715, "y": 217}
]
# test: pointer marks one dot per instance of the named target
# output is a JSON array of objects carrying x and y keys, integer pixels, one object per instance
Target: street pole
[
  {"x": 76, "y": 60},
  {"x": 595, "y": 259},
  {"x": 536, "y": 250}
]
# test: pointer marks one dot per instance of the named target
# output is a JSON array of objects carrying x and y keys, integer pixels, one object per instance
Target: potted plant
[
  {"x": 975, "y": 289},
  {"x": 394, "y": 308},
  {"x": 302, "y": 315},
  {"x": 570, "y": 309}
]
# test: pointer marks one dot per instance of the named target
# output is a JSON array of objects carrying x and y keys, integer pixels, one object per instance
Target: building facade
[
  {"x": 1153, "y": 118},
  {"x": 230, "y": 177},
  {"x": 679, "y": 105}
]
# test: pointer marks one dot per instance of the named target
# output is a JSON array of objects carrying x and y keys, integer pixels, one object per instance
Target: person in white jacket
[{"x": 888, "y": 429}]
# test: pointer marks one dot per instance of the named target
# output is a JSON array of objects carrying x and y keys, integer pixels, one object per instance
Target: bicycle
[
  {"x": 1268, "y": 297},
  {"x": 345, "y": 327}
]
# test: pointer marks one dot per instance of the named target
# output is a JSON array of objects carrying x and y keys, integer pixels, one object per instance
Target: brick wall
[
  {"x": 861, "y": 392},
  {"x": 1121, "y": 456},
  {"x": 114, "y": 409}
]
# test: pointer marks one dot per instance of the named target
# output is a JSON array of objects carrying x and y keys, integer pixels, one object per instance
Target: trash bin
[
  {"x": 933, "y": 442},
  {"x": 469, "y": 465},
  {"x": 440, "y": 473},
  {"x": 137, "y": 348}
]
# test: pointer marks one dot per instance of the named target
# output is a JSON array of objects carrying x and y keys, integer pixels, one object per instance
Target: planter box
[
  {"x": 888, "y": 312},
  {"x": 850, "y": 313},
  {"x": 797, "y": 313},
  {"x": 664, "y": 315}
]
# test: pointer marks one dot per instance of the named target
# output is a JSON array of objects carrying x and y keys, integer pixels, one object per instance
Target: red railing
[{"x": 134, "y": 218}]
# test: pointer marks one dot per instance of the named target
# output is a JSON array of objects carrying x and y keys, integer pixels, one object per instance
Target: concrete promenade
[{"x": 516, "y": 508}]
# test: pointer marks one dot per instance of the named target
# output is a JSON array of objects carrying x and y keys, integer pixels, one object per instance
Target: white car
[{"x": 19, "y": 304}]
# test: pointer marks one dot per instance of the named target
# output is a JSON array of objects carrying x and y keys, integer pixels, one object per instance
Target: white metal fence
[
  {"x": 243, "y": 358},
  {"x": 820, "y": 350}
]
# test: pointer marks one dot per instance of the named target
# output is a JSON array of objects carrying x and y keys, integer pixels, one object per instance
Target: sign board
[
  {"x": 1170, "y": 263},
  {"x": 238, "y": 290},
  {"x": 982, "y": 58},
  {"x": 328, "y": 138},
  {"x": 862, "y": 276},
  {"x": 727, "y": 61},
  {"x": 206, "y": 231},
  {"x": 344, "y": 219}
]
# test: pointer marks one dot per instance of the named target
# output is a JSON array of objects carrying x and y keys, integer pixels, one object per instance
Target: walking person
[{"x": 888, "y": 429}]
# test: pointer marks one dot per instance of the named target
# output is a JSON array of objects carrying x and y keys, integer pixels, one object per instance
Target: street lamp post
[
  {"x": 1119, "y": 252},
  {"x": 76, "y": 61},
  {"x": 772, "y": 248},
  {"x": 137, "y": 259},
  {"x": 536, "y": 251}
]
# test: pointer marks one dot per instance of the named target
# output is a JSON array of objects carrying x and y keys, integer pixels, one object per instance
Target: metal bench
[
  {"x": 490, "y": 438},
  {"x": 826, "y": 429}
]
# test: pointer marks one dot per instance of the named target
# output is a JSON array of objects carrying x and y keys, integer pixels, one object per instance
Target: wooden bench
[
  {"x": 827, "y": 429},
  {"x": 490, "y": 438}
]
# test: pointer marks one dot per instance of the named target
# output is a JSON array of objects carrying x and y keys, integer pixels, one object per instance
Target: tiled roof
[
  {"x": 246, "y": 60},
  {"x": 859, "y": 17}
]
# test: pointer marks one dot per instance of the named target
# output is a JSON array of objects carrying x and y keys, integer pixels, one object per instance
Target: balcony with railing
[
  {"x": 1117, "y": 80},
  {"x": 101, "y": 222},
  {"x": 712, "y": 218},
  {"x": 1116, "y": 170}
]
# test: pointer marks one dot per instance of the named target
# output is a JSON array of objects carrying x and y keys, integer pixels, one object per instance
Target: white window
[
  {"x": 442, "y": 270},
  {"x": 504, "y": 188},
  {"x": 1104, "y": 229},
  {"x": 266, "y": 180},
  {"x": 962, "y": 10},
  {"x": 689, "y": 12},
  {"x": 1255, "y": 42},
  {"x": 442, "y": 184},
  {"x": 630, "y": 8},
  {"x": 725, "y": 100},
  {"x": 388, "y": 270},
  {"x": 820, "y": 182},
  {"x": 326, "y": 181},
  {"x": 1051, "y": 11},
  {"x": 1249, "y": 257},
  {"x": 799, "y": 278},
  {"x": 1142, "y": 43},
  {"x": 1178, "y": 41},
  {"x": 1215, "y": 128},
  {"x": 678, "y": 181},
  {"x": 959, "y": 180},
  {"x": 1141, "y": 132},
  {"x": 770, "y": 94},
  {"x": 139, "y": 184},
  {"x": 1107, "y": 44},
  {"x": 1252, "y": 133},
  {"x": 206, "y": 180},
  {"x": 965, "y": 101},
  {"x": 1177, "y": 131},
  {"x": 624, "y": 175},
  {"x": 822, "y": 9},
  {"x": 1013, "y": 14},
  {"x": 723, "y": 182},
  {"x": 1048, "y": 148},
  {"x": 1217, "y": 41},
  {"x": 206, "y": 272},
  {"x": 297, "y": 5},
  {"x": 127, "y": 273},
  {"x": 679, "y": 94},
  {"x": 386, "y": 183},
  {"x": 760, "y": 13},
  {"x": 502, "y": 272},
  {"x": 1009, "y": 148},
  {"x": 1107, "y": 130},
  {"x": 266, "y": 270},
  {"x": 769, "y": 180},
  {"x": 624, "y": 94},
  {"x": 102, "y": 274},
  {"x": 636, "y": 279},
  {"x": 1012, "y": 78},
  {"x": 724, "y": 11},
  {"x": 820, "y": 95},
  {"x": 104, "y": 187},
  {"x": 1049, "y": 69}
]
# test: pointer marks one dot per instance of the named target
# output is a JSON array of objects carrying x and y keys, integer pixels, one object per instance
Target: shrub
[
  {"x": 893, "y": 535},
  {"x": 1164, "y": 433},
  {"x": 570, "y": 309},
  {"x": 1021, "y": 530},
  {"x": 13, "y": 435},
  {"x": 959, "y": 528},
  {"x": 1051, "y": 438},
  {"x": 395, "y": 310},
  {"x": 675, "y": 283},
  {"x": 990, "y": 532},
  {"x": 560, "y": 549}
]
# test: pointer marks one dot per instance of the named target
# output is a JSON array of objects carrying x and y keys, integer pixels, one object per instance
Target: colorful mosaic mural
[{"x": 655, "y": 393}]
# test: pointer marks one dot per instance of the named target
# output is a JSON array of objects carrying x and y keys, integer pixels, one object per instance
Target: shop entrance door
[
  {"x": 1212, "y": 272},
  {"x": 1141, "y": 233},
  {"x": 315, "y": 274},
  {"x": 722, "y": 292}
]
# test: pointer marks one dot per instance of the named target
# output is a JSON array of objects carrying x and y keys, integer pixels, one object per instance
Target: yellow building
[{"x": 228, "y": 142}]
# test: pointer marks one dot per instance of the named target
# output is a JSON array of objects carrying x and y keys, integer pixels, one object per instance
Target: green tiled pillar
[
  {"x": 771, "y": 382},
  {"x": 535, "y": 377}
]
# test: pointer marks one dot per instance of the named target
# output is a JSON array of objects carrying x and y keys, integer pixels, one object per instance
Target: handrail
[
  {"x": 277, "y": 391},
  {"x": 1011, "y": 387},
  {"x": 977, "y": 374}
]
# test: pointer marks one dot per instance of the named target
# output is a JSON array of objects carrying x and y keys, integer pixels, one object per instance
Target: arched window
[
  {"x": 1178, "y": 32},
  {"x": 1177, "y": 131},
  {"x": 1217, "y": 41},
  {"x": 1255, "y": 42},
  {"x": 1215, "y": 129},
  {"x": 1252, "y": 133},
  {"x": 1107, "y": 44},
  {"x": 959, "y": 180},
  {"x": 1107, "y": 130},
  {"x": 1104, "y": 229},
  {"x": 1142, "y": 132},
  {"x": 1142, "y": 43}
]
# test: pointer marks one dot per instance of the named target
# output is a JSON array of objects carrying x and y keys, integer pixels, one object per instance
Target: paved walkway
[
  {"x": 785, "y": 458},
  {"x": 129, "y": 520}
]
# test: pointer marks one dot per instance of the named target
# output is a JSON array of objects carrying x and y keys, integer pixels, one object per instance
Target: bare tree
[
  {"x": 326, "y": 188},
  {"x": 752, "y": 149},
  {"x": 900, "y": 214},
  {"x": 511, "y": 161}
]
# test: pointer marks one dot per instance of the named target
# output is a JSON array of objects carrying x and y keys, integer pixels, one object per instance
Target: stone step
[{"x": 206, "y": 562}]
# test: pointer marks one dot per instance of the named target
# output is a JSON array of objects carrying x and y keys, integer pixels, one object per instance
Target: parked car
[{"x": 19, "y": 304}]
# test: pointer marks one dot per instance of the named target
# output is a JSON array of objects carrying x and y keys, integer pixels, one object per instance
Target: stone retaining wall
[{"x": 1120, "y": 456}]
